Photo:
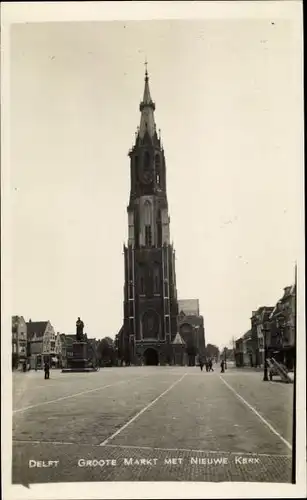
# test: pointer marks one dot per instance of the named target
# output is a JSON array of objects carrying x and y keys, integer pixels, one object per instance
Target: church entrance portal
[{"x": 151, "y": 357}]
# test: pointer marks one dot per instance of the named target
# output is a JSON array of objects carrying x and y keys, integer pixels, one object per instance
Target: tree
[
  {"x": 106, "y": 351},
  {"x": 212, "y": 351}
]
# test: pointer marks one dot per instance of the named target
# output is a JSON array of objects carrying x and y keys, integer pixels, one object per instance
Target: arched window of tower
[
  {"x": 146, "y": 160},
  {"x": 156, "y": 278},
  {"x": 142, "y": 288},
  {"x": 147, "y": 213},
  {"x": 141, "y": 279},
  {"x": 159, "y": 228},
  {"x": 150, "y": 324},
  {"x": 148, "y": 223},
  {"x": 148, "y": 236}
]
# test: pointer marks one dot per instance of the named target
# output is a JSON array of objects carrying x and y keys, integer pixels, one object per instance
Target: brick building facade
[
  {"x": 41, "y": 343},
  {"x": 273, "y": 327}
]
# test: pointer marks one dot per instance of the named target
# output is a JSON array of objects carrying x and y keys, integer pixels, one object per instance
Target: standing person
[
  {"x": 47, "y": 370},
  {"x": 24, "y": 366},
  {"x": 201, "y": 364},
  {"x": 223, "y": 366}
]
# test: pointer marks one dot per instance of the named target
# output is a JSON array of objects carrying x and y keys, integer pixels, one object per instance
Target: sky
[{"x": 228, "y": 102}]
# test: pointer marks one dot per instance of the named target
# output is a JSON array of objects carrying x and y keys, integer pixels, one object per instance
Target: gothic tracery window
[
  {"x": 159, "y": 228},
  {"x": 156, "y": 279},
  {"x": 141, "y": 274},
  {"x": 147, "y": 223},
  {"x": 150, "y": 324},
  {"x": 148, "y": 236},
  {"x": 146, "y": 161},
  {"x": 147, "y": 213}
]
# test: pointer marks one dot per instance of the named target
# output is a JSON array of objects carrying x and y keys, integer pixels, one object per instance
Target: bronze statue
[{"x": 79, "y": 332}]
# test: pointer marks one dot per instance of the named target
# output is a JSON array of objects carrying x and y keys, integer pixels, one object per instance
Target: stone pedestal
[{"x": 79, "y": 360}]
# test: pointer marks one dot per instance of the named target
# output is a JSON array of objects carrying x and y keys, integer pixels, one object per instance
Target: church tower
[{"x": 150, "y": 296}]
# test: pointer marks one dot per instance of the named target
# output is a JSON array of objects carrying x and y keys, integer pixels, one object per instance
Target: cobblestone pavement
[{"x": 151, "y": 424}]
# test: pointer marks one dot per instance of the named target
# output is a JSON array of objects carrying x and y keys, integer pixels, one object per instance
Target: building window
[
  {"x": 141, "y": 279},
  {"x": 148, "y": 236}
]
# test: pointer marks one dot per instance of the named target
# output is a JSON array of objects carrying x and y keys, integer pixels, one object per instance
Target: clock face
[{"x": 146, "y": 176}]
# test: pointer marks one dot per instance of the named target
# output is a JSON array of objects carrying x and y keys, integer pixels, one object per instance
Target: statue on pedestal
[{"x": 79, "y": 330}]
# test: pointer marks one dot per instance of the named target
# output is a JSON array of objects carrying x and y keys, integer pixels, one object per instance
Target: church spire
[{"x": 147, "y": 108}]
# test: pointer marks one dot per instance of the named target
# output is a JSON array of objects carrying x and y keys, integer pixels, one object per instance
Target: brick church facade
[{"x": 150, "y": 296}]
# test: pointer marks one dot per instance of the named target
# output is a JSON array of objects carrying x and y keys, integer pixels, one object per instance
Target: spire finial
[{"x": 145, "y": 64}]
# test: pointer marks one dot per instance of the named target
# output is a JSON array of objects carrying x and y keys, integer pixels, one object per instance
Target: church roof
[
  {"x": 147, "y": 108},
  {"x": 178, "y": 339},
  {"x": 190, "y": 307}
]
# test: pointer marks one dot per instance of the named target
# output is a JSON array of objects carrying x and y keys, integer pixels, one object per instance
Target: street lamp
[{"x": 265, "y": 364}]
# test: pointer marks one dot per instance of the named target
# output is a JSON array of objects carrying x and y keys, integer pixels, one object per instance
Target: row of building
[
  {"x": 273, "y": 329},
  {"x": 35, "y": 342}
]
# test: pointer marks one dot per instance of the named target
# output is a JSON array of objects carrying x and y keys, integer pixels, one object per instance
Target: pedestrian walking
[
  {"x": 201, "y": 364},
  {"x": 47, "y": 370},
  {"x": 210, "y": 366},
  {"x": 223, "y": 366}
]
